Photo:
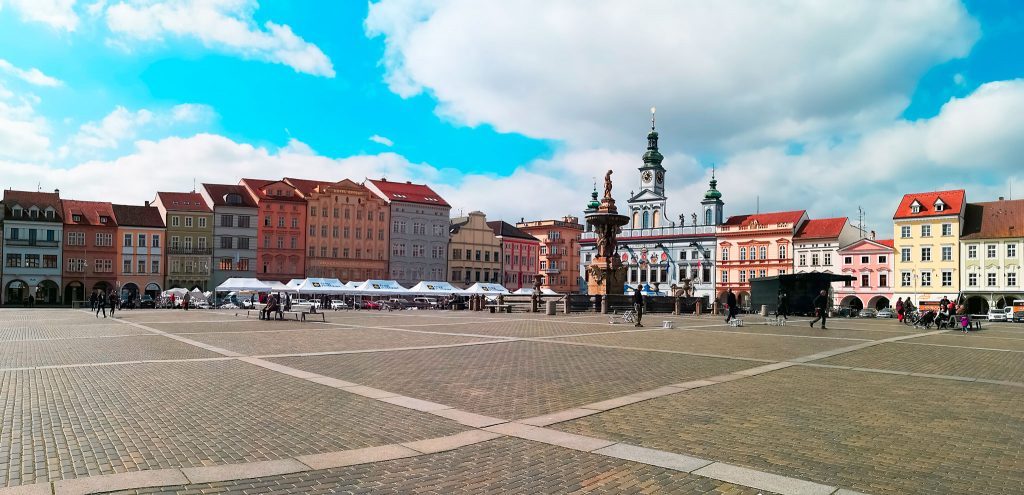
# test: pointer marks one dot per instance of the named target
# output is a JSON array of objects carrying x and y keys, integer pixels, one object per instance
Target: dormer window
[
  {"x": 915, "y": 207},
  {"x": 16, "y": 211},
  {"x": 76, "y": 218},
  {"x": 939, "y": 205},
  {"x": 50, "y": 214},
  {"x": 104, "y": 219},
  {"x": 33, "y": 212}
]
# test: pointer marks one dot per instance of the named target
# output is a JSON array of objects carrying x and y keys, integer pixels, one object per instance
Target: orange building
[
  {"x": 347, "y": 236},
  {"x": 281, "y": 230},
  {"x": 89, "y": 250},
  {"x": 559, "y": 259},
  {"x": 754, "y": 246},
  {"x": 140, "y": 237}
]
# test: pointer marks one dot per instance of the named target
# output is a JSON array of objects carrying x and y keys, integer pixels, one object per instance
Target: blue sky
[{"x": 513, "y": 109}]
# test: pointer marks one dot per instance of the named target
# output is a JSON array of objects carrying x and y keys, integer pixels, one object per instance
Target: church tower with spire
[
  {"x": 712, "y": 203},
  {"x": 647, "y": 208}
]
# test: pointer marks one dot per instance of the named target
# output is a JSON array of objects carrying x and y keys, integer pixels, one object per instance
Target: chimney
[
  {"x": 57, "y": 191},
  {"x": 1000, "y": 198},
  {"x": 147, "y": 204}
]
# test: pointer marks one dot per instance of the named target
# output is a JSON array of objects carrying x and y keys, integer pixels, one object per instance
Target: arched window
[
  {"x": 636, "y": 219},
  {"x": 654, "y": 219},
  {"x": 743, "y": 253},
  {"x": 763, "y": 252},
  {"x": 707, "y": 218},
  {"x": 647, "y": 219}
]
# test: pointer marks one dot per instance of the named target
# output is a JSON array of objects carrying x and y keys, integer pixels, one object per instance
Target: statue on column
[{"x": 608, "y": 185}]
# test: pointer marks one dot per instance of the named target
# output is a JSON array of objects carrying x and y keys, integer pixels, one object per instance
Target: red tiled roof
[
  {"x": 766, "y": 218},
  {"x": 886, "y": 242},
  {"x": 218, "y": 192},
  {"x": 187, "y": 201},
  {"x": 138, "y": 216},
  {"x": 821, "y": 228},
  {"x": 28, "y": 199},
  {"x": 88, "y": 212},
  {"x": 994, "y": 219},
  {"x": 305, "y": 186},
  {"x": 954, "y": 201},
  {"x": 505, "y": 229},
  {"x": 258, "y": 185},
  {"x": 408, "y": 192}
]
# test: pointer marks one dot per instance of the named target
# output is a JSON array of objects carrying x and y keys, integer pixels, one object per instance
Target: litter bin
[
  {"x": 764, "y": 310},
  {"x": 550, "y": 308}
]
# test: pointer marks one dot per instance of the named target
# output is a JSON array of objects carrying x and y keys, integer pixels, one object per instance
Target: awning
[{"x": 242, "y": 284}]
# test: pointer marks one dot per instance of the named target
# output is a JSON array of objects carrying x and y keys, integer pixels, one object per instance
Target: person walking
[
  {"x": 783, "y": 308},
  {"x": 820, "y": 309},
  {"x": 899, "y": 309},
  {"x": 638, "y": 305},
  {"x": 101, "y": 304},
  {"x": 185, "y": 299},
  {"x": 730, "y": 304},
  {"x": 92, "y": 301},
  {"x": 113, "y": 303}
]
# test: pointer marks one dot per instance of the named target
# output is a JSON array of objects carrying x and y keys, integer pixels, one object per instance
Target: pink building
[
  {"x": 519, "y": 252},
  {"x": 871, "y": 262}
]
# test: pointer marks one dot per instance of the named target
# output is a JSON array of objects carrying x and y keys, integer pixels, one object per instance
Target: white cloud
[
  {"x": 725, "y": 75},
  {"x": 59, "y": 14},
  {"x": 122, "y": 125},
  {"x": 24, "y": 135},
  {"x": 382, "y": 140},
  {"x": 31, "y": 76},
  {"x": 227, "y": 25}
]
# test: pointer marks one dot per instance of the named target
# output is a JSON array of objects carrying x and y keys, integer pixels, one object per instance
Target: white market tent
[
  {"x": 243, "y": 284},
  {"x": 353, "y": 284},
  {"x": 295, "y": 282},
  {"x": 322, "y": 286},
  {"x": 434, "y": 289},
  {"x": 528, "y": 291},
  {"x": 485, "y": 288},
  {"x": 177, "y": 291},
  {"x": 381, "y": 288},
  {"x": 276, "y": 286}
]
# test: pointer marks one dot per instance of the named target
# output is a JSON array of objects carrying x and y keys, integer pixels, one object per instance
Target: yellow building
[
  {"x": 926, "y": 237},
  {"x": 474, "y": 252}
]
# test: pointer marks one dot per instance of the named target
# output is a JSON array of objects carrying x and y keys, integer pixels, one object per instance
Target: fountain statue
[{"x": 607, "y": 274}]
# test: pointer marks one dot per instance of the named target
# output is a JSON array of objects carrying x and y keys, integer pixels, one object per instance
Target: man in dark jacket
[
  {"x": 638, "y": 305},
  {"x": 783, "y": 308},
  {"x": 820, "y": 309},
  {"x": 732, "y": 308}
]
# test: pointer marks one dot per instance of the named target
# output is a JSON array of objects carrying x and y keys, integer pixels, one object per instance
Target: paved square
[{"x": 163, "y": 401}]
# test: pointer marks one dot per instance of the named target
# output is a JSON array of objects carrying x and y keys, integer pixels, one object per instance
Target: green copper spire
[
  {"x": 713, "y": 193},
  {"x": 652, "y": 157},
  {"x": 594, "y": 203}
]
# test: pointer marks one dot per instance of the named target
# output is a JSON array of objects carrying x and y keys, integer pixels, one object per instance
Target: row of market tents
[{"x": 333, "y": 286}]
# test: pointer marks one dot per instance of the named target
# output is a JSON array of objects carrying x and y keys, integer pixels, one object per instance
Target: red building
[
  {"x": 89, "y": 250},
  {"x": 519, "y": 255},
  {"x": 754, "y": 246},
  {"x": 559, "y": 261},
  {"x": 281, "y": 237}
]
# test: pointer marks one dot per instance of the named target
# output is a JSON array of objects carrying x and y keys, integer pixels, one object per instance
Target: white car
[
  {"x": 1004, "y": 314},
  {"x": 336, "y": 305}
]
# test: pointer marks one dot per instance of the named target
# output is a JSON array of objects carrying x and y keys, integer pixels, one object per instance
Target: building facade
[
  {"x": 926, "y": 229},
  {"x": 559, "y": 257},
  {"x": 990, "y": 250},
  {"x": 518, "y": 256},
  {"x": 347, "y": 234},
  {"x": 474, "y": 252},
  {"x": 419, "y": 231},
  {"x": 816, "y": 245},
  {"x": 754, "y": 246},
  {"x": 141, "y": 268},
  {"x": 90, "y": 252},
  {"x": 235, "y": 216},
  {"x": 33, "y": 233},
  {"x": 871, "y": 263},
  {"x": 657, "y": 250},
  {"x": 280, "y": 231},
  {"x": 189, "y": 239}
]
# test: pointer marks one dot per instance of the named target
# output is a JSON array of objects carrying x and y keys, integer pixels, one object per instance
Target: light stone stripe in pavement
[
  {"x": 762, "y": 480},
  {"x": 653, "y": 457},
  {"x": 645, "y": 349},
  {"x": 961, "y": 346},
  {"x": 247, "y": 470},
  {"x": 120, "y": 481},
  {"x": 370, "y": 351}
]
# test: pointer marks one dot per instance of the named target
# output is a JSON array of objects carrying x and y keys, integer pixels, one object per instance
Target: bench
[
  {"x": 976, "y": 321},
  {"x": 502, "y": 308},
  {"x": 314, "y": 315},
  {"x": 279, "y": 315}
]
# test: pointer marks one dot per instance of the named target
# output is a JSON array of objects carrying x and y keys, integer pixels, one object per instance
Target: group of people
[
  {"x": 821, "y": 304},
  {"x": 100, "y": 301},
  {"x": 948, "y": 314},
  {"x": 276, "y": 303}
]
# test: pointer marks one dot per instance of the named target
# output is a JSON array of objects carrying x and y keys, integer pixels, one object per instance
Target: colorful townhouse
[
  {"x": 559, "y": 257},
  {"x": 235, "y": 216},
  {"x": 518, "y": 256},
  {"x": 991, "y": 255},
  {"x": 753, "y": 246},
  {"x": 816, "y": 245},
  {"x": 33, "y": 229},
  {"x": 141, "y": 235},
  {"x": 280, "y": 231},
  {"x": 89, "y": 250},
  {"x": 871, "y": 263},
  {"x": 189, "y": 224},
  {"x": 419, "y": 222},
  {"x": 474, "y": 253},
  {"x": 347, "y": 234},
  {"x": 927, "y": 228}
]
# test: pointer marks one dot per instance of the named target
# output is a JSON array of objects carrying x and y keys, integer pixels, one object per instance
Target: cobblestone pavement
[
  {"x": 505, "y": 465},
  {"x": 973, "y": 363},
  {"x": 183, "y": 397},
  {"x": 871, "y": 432},
  {"x": 516, "y": 379}
]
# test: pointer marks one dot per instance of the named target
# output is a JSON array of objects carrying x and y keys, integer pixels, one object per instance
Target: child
[{"x": 965, "y": 321}]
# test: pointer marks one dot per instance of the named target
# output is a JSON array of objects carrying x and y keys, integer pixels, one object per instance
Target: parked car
[
  {"x": 886, "y": 313},
  {"x": 147, "y": 301},
  {"x": 366, "y": 304},
  {"x": 996, "y": 314},
  {"x": 845, "y": 312},
  {"x": 1018, "y": 310},
  {"x": 867, "y": 313},
  {"x": 396, "y": 303},
  {"x": 338, "y": 304},
  {"x": 425, "y": 302}
]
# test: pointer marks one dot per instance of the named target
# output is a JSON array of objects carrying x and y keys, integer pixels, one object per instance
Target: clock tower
[{"x": 648, "y": 206}]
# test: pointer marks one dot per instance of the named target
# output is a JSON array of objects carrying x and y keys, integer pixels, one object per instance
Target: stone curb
[
  {"x": 119, "y": 481},
  {"x": 660, "y": 458},
  {"x": 763, "y": 481}
]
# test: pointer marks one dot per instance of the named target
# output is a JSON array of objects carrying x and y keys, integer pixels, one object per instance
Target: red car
[{"x": 368, "y": 305}]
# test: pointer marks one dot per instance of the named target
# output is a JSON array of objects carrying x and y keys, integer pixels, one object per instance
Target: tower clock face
[
  {"x": 661, "y": 177},
  {"x": 647, "y": 176}
]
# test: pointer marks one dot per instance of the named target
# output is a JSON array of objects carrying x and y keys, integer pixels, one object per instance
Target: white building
[
  {"x": 991, "y": 254},
  {"x": 817, "y": 243},
  {"x": 33, "y": 228}
]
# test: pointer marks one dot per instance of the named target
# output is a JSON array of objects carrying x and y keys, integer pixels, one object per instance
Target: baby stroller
[{"x": 926, "y": 320}]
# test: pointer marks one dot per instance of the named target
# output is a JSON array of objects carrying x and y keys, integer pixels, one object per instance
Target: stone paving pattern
[
  {"x": 516, "y": 379},
  {"x": 504, "y": 465},
  {"x": 974, "y": 363},
  {"x": 984, "y": 339},
  {"x": 73, "y": 422},
  {"x": 325, "y": 339},
  {"x": 870, "y": 432},
  {"x": 29, "y": 353}
]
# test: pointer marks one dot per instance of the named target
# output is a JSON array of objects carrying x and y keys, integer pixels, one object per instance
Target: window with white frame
[
  {"x": 947, "y": 278},
  {"x": 947, "y": 253},
  {"x": 175, "y": 221},
  {"x": 802, "y": 259},
  {"x": 1011, "y": 250},
  {"x": 926, "y": 279},
  {"x": 905, "y": 279},
  {"x": 762, "y": 252},
  {"x": 188, "y": 221},
  {"x": 990, "y": 251},
  {"x": 202, "y": 222},
  {"x": 743, "y": 276},
  {"x": 782, "y": 252},
  {"x": 972, "y": 279},
  {"x": 972, "y": 252},
  {"x": 905, "y": 232},
  {"x": 947, "y": 229},
  {"x": 725, "y": 254},
  {"x": 990, "y": 279},
  {"x": 743, "y": 253},
  {"x": 926, "y": 254},
  {"x": 725, "y": 276},
  {"x": 814, "y": 259},
  {"x": 828, "y": 259},
  {"x": 926, "y": 231},
  {"x": 905, "y": 254},
  {"x": 883, "y": 259},
  {"x": 1011, "y": 279},
  {"x": 863, "y": 260}
]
